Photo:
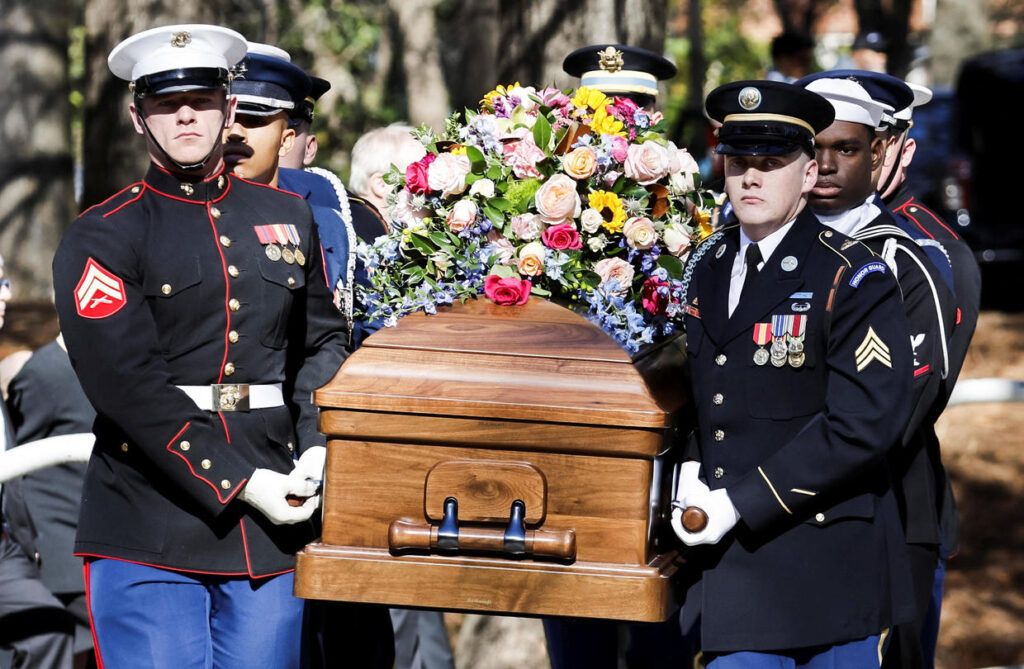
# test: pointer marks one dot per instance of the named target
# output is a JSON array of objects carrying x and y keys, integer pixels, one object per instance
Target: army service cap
[
  {"x": 619, "y": 69},
  {"x": 177, "y": 58},
  {"x": 265, "y": 85},
  {"x": 767, "y": 118}
]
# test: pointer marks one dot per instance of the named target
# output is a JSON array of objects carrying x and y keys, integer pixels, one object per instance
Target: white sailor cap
[
  {"x": 177, "y": 58},
  {"x": 851, "y": 101},
  {"x": 922, "y": 96},
  {"x": 269, "y": 50}
]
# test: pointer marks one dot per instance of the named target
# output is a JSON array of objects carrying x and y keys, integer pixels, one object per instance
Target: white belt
[{"x": 235, "y": 396}]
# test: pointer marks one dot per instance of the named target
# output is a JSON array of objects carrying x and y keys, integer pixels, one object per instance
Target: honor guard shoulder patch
[
  {"x": 99, "y": 293},
  {"x": 870, "y": 268},
  {"x": 871, "y": 349}
]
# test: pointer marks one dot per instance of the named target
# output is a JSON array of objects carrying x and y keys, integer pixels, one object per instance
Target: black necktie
[{"x": 753, "y": 259}]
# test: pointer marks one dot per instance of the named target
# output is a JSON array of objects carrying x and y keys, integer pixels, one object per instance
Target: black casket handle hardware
[{"x": 513, "y": 540}]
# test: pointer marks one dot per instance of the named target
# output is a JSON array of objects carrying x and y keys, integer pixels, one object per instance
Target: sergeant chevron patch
[
  {"x": 872, "y": 348},
  {"x": 99, "y": 293}
]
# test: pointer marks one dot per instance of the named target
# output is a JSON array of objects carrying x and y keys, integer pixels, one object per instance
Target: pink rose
[
  {"x": 639, "y": 233},
  {"x": 615, "y": 268},
  {"x": 682, "y": 168},
  {"x": 652, "y": 299},
  {"x": 462, "y": 215},
  {"x": 619, "y": 147},
  {"x": 416, "y": 174},
  {"x": 448, "y": 174},
  {"x": 527, "y": 227},
  {"x": 557, "y": 200},
  {"x": 646, "y": 162},
  {"x": 501, "y": 247},
  {"x": 523, "y": 156},
  {"x": 507, "y": 291},
  {"x": 561, "y": 237}
]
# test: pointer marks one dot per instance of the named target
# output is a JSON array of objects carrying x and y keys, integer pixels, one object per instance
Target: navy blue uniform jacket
[
  {"x": 169, "y": 284},
  {"x": 817, "y": 556}
]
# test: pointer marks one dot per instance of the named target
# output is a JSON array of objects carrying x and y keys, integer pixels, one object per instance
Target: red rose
[
  {"x": 654, "y": 301},
  {"x": 507, "y": 291},
  {"x": 416, "y": 174},
  {"x": 562, "y": 236}
]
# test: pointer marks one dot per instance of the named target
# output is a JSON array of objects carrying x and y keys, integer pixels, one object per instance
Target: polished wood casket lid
[{"x": 536, "y": 362}]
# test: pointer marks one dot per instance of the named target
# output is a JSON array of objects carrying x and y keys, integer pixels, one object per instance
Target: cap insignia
[
  {"x": 610, "y": 60},
  {"x": 238, "y": 71},
  {"x": 182, "y": 39},
  {"x": 750, "y": 98}
]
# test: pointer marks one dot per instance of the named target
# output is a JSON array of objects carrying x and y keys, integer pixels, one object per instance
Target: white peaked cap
[
  {"x": 922, "y": 96},
  {"x": 176, "y": 47},
  {"x": 269, "y": 50},
  {"x": 851, "y": 101}
]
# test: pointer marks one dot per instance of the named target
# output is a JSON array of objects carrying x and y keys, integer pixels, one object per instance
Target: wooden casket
[{"x": 499, "y": 459}]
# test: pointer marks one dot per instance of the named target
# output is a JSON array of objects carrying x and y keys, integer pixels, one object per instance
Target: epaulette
[
  {"x": 848, "y": 250},
  {"x": 117, "y": 201}
]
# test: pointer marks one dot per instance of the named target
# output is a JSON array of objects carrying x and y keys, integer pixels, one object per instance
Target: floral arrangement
[{"x": 572, "y": 196}]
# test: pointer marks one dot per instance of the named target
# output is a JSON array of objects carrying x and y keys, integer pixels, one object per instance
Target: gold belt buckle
[{"x": 230, "y": 396}]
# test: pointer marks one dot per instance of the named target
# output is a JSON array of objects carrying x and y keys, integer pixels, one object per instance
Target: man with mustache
[
  {"x": 199, "y": 343},
  {"x": 850, "y": 153},
  {"x": 800, "y": 367}
]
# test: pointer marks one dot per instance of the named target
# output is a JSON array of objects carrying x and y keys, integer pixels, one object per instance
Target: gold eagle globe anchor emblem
[{"x": 182, "y": 39}]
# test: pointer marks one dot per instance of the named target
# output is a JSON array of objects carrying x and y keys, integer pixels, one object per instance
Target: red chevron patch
[{"x": 99, "y": 293}]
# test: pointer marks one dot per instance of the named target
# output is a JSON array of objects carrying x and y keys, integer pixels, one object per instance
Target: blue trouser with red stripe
[{"x": 147, "y": 617}]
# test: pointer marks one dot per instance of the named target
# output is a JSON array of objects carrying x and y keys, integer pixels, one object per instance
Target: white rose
[
  {"x": 591, "y": 220},
  {"x": 448, "y": 174},
  {"x": 462, "y": 215},
  {"x": 597, "y": 243},
  {"x": 677, "y": 241},
  {"x": 482, "y": 187}
]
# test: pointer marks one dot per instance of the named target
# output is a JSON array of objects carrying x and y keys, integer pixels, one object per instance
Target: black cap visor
[
  {"x": 761, "y": 138},
  {"x": 182, "y": 80}
]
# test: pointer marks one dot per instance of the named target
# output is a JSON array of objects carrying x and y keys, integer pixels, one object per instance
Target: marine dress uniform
[
  {"x": 799, "y": 394},
  {"x": 198, "y": 319}
]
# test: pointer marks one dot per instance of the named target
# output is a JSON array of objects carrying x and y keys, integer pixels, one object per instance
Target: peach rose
[
  {"x": 448, "y": 174},
  {"x": 531, "y": 259},
  {"x": 639, "y": 233},
  {"x": 645, "y": 163},
  {"x": 462, "y": 215},
  {"x": 557, "y": 200},
  {"x": 580, "y": 163},
  {"x": 615, "y": 268},
  {"x": 677, "y": 241}
]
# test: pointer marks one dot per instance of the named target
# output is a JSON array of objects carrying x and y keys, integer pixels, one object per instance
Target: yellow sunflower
[{"x": 610, "y": 206}]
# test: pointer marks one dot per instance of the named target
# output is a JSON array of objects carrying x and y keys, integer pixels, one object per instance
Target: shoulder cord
[
  {"x": 692, "y": 262},
  {"x": 347, "y": 290}
]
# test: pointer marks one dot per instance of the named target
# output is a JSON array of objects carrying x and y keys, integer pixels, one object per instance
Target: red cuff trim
[
  {"x": 216, "y": 489},
  {"x": 921, "y": 370}
]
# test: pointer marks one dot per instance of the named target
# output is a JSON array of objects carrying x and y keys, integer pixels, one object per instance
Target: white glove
[
  {"x": 687, "y": 484},
  {"x": 311, "y": 464},
  {"x": 722, "y": 517},
  {"x": 266, "y": 491}
]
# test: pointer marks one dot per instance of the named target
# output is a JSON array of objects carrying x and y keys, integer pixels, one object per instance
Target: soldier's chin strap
[
  {"x": 185, "y": 167},
  {"x": 899, "y": 157}
]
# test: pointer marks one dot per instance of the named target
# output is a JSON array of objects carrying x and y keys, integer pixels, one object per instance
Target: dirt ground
[{"x": 983, "y": 445}]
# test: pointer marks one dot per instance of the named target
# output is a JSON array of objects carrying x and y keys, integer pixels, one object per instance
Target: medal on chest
[{"x": 762, "y": 335}]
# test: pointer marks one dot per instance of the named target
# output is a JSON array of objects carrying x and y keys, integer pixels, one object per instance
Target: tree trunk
[
  {"x": 425, "y": 87},
  {"x": 113, "y": 154},
  {"x": 36, "y": 184}
]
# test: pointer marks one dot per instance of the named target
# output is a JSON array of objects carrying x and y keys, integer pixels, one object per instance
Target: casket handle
[
  {"x": 514, "y": 539},
  {"x": 695, "y": 519}
]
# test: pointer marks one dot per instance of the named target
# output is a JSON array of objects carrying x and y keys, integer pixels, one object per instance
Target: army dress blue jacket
[
  {"x": 169, "y": 284},
  {"x": 817, "y": 557}
]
